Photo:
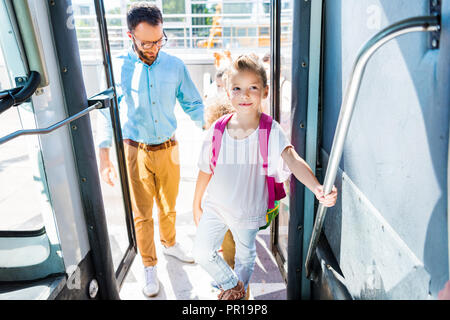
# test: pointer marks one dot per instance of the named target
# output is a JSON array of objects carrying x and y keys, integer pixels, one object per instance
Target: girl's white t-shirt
[{"x": 237, "y": 191}]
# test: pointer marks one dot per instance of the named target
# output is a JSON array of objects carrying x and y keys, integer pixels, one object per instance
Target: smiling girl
[{"x": 237, "y": 196}]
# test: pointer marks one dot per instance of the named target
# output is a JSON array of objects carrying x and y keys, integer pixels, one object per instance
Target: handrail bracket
[{"x": 435, "y": 10}]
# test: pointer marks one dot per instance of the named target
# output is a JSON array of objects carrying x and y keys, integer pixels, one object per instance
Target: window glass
[
  {"x": 266, "y": 7},
  {"x": 177, "y": 37},
  {"x": 238, "y": 8},
  {"x": 226, "y": 24},
  {"x": 24, "y": 194},
  {"x": 201, "y": 32},
  {"x": 203, "y": 8},
  {"x": 174, "y": 10},
  {"x": 173, "y": 6},
  {"x": 95, "y": 82},
  {"x": 5, "y": 82}
]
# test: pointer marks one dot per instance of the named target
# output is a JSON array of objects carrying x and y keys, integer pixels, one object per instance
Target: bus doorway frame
[
  {"x": 67, "y": 50},
  {"x": 305, "y": 106}
]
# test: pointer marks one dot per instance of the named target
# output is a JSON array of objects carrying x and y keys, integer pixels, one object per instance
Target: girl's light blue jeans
[{"x": 210, "y": 234}]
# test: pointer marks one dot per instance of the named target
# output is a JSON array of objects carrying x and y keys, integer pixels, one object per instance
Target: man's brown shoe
[{"x": 235, "y": 293}]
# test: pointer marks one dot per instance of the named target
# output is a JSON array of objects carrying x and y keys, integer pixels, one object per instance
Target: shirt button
[
  {"x": 156, "y": 121},
  {"x": 151, "y": 86},
  {"x": 153, "y": 102}
]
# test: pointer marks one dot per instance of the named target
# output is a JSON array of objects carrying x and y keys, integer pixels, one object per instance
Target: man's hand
[
  {"x": 198, "y": 212},
  {"x": 107, "y": 168}
]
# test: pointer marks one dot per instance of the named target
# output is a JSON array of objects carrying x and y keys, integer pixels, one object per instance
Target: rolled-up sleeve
[{"x": 189, "y": 98}]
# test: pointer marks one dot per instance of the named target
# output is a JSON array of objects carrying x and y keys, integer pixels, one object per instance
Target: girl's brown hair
[{"x": 247, "y": 62}]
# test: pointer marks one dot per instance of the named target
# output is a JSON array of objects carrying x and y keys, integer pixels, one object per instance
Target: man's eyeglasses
[{"x": 148, "y": 45}]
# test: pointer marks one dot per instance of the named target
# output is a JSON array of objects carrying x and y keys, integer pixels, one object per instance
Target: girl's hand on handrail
[{"x": 329, "y": 200}]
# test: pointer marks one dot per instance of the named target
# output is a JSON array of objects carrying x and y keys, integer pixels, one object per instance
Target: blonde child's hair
[
  {"x": 217, "y": 107},
  {"x": 247, "y": 62}
]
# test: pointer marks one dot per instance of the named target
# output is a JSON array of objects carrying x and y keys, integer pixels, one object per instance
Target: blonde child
[
  {"x": 215, "y": 108},
  {"x": 237, "y": 195}
]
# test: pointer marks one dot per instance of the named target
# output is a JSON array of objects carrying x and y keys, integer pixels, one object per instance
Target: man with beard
[{"x": 148, "y": 82}]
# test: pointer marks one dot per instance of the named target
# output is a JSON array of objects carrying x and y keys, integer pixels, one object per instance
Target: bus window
[
  {"x": 23, "y": 186},
  {"x": 29, "y": 243},
  {"x": 174, "y": 7}
]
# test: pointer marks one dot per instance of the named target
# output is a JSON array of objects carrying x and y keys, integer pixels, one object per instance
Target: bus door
[
  {"x": 295, "y": 72},
  {"x": 98, "y": 79},
  {"x": 61, "y": 223},
  {"x": 280, "y": 77}
]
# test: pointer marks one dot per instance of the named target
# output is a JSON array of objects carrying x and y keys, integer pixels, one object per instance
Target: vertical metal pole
[{"x": 117, "y": 131}]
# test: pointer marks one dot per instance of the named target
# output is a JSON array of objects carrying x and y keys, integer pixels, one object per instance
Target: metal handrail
[
  {"x": 417, "y": 24},
  {"x": 16, "y": 96},
  {"x": 53, "y": 127}
]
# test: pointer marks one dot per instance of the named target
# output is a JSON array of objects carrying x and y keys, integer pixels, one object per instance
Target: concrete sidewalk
[{"x": 181, "y": 281}]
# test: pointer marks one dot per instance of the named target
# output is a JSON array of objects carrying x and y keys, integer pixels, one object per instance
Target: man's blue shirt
[{"x": 147, "y": 97}]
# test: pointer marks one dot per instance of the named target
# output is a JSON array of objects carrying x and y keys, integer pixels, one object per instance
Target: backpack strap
[
  {"x": 265, "y": 125},
  {"x": 219, "y": 128}
]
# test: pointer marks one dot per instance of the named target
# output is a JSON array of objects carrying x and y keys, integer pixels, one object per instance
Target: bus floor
[{"x": 183, "y": 281}]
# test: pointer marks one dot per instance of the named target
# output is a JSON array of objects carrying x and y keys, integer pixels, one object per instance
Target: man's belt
[{"x": 151, "y": 147}]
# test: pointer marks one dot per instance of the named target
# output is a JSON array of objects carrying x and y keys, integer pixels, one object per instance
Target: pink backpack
[{"x": 275, "y": 189}]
